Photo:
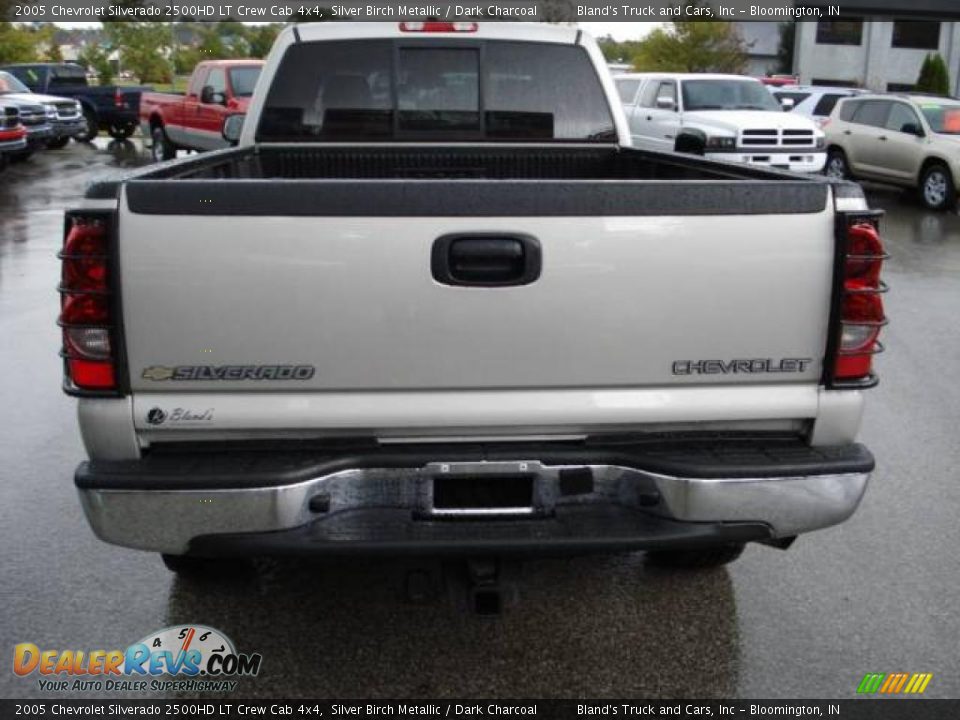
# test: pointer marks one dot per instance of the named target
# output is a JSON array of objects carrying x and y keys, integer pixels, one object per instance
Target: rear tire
[
  {"x": 698, "y": 558},
  {"x": 121, "y": 131},
  {"x": 162, "y": 148},
  {"x": 91, "y": 129},
  {"x": 937, "y": 191},
  {"x": 58, "y": 143},
  {"x": 21, "y": 156},
  {"x": 836, "y": 167}
]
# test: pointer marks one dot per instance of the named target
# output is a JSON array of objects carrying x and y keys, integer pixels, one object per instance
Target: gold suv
[{"x": 908, "y": 140}]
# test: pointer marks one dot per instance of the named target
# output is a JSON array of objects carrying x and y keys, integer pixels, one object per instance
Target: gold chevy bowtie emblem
[{"x": 157, "y": 372}]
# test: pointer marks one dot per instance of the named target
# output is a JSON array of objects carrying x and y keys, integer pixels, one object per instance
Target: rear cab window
[
  {"x": 382, "y": 90},
  {"x": 66, "y": 76}
]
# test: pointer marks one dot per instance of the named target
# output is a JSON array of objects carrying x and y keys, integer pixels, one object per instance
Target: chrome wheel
[
  {"x": 935, "y": 188},
  {"x": 836, "y": 168}
]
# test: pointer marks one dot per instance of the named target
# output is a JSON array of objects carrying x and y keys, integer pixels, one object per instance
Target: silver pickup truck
[{"x": 434, "y": 303}]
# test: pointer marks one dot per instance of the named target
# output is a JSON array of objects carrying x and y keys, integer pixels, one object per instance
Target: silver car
[{"x": 906, "y": 140}]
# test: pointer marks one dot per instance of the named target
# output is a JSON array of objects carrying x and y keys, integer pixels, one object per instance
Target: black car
[{"x": 105, "y": 107}]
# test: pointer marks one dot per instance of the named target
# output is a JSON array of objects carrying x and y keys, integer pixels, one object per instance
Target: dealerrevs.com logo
[{"x": 197, "y": 657}]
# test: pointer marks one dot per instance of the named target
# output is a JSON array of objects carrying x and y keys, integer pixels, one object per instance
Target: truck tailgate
[{"x": 327, "y": 303}]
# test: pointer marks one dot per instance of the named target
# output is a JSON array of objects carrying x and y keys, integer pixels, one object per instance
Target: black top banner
[
  {"x": 552, "y": 709},
  {"x": 486, "y": 10}
]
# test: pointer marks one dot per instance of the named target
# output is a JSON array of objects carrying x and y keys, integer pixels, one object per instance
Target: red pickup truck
[{"x": 193, "y": 121}]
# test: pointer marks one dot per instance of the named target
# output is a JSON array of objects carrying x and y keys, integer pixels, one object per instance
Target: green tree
[
  {"x": 211, "y": 45},
  {"x": 96, "y": 57},
  {"x": 185, "y": 59},
  {"x": 45, "y": 38},
  {"x": 17, "y": 44},
  {"x": 685, "y": 46},
  {"x": 140, "y": 45},
  {"x": 934, "y": 77},
  {"x": 617, "y": 52},
  {"x": 261, "y": 38}
]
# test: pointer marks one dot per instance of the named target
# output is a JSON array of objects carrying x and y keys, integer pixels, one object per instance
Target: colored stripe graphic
[
  {"x": 870, "y": 683},
  {"x": 894, "y": 683}
]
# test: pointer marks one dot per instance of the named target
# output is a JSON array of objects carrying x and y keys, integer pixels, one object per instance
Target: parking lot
[{"x": 876, "y": 594}]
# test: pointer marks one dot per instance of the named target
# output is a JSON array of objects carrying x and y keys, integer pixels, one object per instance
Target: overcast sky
[{"x": 620, "y": 30}]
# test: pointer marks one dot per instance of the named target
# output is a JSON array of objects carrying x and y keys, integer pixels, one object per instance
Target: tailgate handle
[{"x": 486, "y": 260}]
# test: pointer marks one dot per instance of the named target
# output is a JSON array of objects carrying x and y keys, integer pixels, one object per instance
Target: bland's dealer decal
[
  {"x": 188, "y": 652},
  {"x": 159, "y": 373},
  {"x": 179, "y": 416}
]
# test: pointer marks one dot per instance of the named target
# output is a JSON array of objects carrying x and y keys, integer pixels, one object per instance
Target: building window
[
  {"x": 840, "y": 32},
  {"x": 917, "y": 34},
  {"x": 829, "y": 82}
]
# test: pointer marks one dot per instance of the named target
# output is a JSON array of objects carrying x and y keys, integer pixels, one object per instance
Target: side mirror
[
  {"x": 664, "y": 103},
  {"x": 787, "y": 104},
  {"x": 232, "y": 127},
  {"x": 912, "y": 129},
  {"x": 207, "y": 95}
]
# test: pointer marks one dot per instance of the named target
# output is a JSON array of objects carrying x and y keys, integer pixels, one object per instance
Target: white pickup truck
[
  {"x": 724, "y": 117},
  {"x": 434, "y": 303}
]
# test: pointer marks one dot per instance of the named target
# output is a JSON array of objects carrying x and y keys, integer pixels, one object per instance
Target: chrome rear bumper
[{"x": 170, "y": 520}]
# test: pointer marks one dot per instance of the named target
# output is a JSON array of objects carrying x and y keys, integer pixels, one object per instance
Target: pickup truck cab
[
  {"x": 64, "y": 115},
  {"x": 36, "y": 119},
  {"x": 104, "y": 107},
  {"x": 726, "y": 117},
  {"x": 433, "y": 302},
  {"x": 194, "y": 121}
]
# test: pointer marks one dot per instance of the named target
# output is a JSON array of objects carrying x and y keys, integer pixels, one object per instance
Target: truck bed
[{"x": 353, "y": 180}]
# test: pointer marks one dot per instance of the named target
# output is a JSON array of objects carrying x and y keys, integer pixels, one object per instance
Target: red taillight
[
  {"x": 86, "y": 309},
  {"x": 91, "y": 375},
  {"x": 467, "y": 27},
  {"x": 118, "y": 98},
  {"x": 85, "y": 256},
  {"x": 861, "y": 304},
  {"x": 865, "y": 255}
]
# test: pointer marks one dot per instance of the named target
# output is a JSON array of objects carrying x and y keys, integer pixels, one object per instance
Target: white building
[
  {"x": 762, "y": 40},
  {"x": 875, "y": 54}
]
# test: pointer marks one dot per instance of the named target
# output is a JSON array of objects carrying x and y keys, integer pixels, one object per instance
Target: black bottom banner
[{"x": 893, "y": 709}]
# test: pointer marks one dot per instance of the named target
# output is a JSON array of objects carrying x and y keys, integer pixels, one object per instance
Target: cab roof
[{"x": 522, "y": 31}]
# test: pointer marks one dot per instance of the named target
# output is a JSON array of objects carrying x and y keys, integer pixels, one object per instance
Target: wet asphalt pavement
[{"x": 880, "y": 593}]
